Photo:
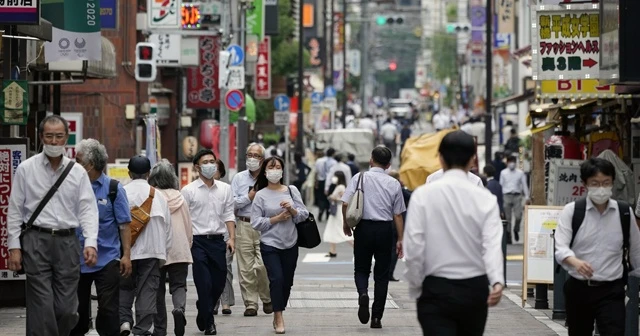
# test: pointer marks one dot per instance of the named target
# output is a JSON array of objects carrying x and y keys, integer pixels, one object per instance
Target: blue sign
[
  {"x": 502, "y": 41},
  {"x": 329, "y": 92},
  {"x": 237, "y": 55},
  {"x": 316, "y": 98},
  {"x": 109, "y": 14},
  {"x": 234, "y": 100},
  {"x": 282, "y": 103}
]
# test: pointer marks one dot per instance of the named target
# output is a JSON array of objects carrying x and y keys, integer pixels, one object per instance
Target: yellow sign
[
  {"x": 118, "y": 172},
  {"x": 550, "y": 224},
  {"x": 576, "y": 88}
]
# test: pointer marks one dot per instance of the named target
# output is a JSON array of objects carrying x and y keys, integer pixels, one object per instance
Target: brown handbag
[{"x": 140, "y": 216}]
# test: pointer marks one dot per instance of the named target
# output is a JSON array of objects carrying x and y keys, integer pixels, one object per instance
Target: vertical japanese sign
[
  {"x": 255, "y": 19},
  {"x": 164, "y": 13},
  {"x": 565, "y": 185},
  {"x": 338, "y": 45},
  {"x": 506, "y": 16},
  {"x": 263, "y": 70},
  {"x": 13, "y": 152},
  {"x": 478, "y": 21},
  {"x": 202, "y": 81},
  {"x": 25, "y": 12},
  {"x": 566, "y": 42},
  {"x": 76, "y": 30},
  {"x": 610, "y": 40}
]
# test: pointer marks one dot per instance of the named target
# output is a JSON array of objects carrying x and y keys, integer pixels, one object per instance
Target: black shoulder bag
[
  {"x": 43, "y": 203},
  {"x": 308, "y": 233}
]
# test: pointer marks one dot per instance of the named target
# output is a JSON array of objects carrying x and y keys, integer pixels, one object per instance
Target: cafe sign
[{"x": 566, "y": 42}]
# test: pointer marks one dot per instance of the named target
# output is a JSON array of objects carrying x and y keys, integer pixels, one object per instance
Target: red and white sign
[
  {"x": 263, "y": 70},
  {"x": 234, "y": 100},
  {"x": 202, "y": 81}
]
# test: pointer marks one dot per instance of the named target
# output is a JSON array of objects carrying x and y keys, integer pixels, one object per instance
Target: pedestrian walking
[
  {"x": 333, "y": 232},
  {"x": 211, "y": 207},
  {"x": 47, "y": 243},
  {"x": 406, "y": 196},
  {"x": 323, "y": 166},
  {"x": 496, "y": 189},
  {"x": 176, "y": 267},
  {"x": 593, "y": 238},
  {"x": 452, "y": 246},
  {"x": 339, "y": 166},
  {"x": 114, "y": 244},
  {"x": 254, "y": 283},
  {"x": 148, "y": 251},
  {"x": 227, "y": 298},
  {"x": 438, "y": 174},
  {"x": 373, "y": 236},
  {"x": 515, "y": 189},
  {"x": 276, "y": 210},
  {"x": 353, "y": 165}
]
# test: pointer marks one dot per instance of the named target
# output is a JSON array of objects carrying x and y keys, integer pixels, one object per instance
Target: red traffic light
[
  {"x": 393, "y": 66},
  {"x": 145, "y": 53}
]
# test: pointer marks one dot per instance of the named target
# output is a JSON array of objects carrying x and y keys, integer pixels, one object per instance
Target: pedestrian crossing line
[
  {"x": 556, "y": 327},
  {"x": 324, "y": 258}
]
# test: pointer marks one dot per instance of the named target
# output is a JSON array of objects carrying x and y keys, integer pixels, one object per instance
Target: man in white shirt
[
  {"x": 368, "y": 123},
  {"x": 441, "y": 120},
  {"x": 50, "y": 247},
  {"x": 452, "y": 246},
  {"x": 514, "y": 188},
  {"x": 594, "y": 255},
  {"x": 438, "y": 174},
  {"x": 212, "y": 212},
  {"x": 148, "y": 252},
  {"x": 389, "y": 134},
  {"x": 339, "y": 166}
]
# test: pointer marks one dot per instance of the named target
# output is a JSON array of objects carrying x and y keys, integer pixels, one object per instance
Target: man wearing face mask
[
  {"x": 592, "y": 239},
  {"x": 211, "y": 207},
  {"x": 515, "y": 189},
  {"x": 254, "y": 283},
  {"x": 49, "y": 246}
]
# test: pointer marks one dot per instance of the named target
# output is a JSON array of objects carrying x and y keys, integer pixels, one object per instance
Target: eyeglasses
[
  {"x": 52, "y": 136},
  {"x": 254, "y": 156},
  {"x": 596, "y": 184}
]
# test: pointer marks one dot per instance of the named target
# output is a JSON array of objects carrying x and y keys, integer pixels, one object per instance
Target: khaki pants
[{"x": 251, "y": 271}]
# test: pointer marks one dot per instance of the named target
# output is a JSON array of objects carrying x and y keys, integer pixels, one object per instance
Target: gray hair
[
  {"x": 261, "y": 147},
  {"x": 163, "y": 176},
  {"x": 93, "y": 152}
]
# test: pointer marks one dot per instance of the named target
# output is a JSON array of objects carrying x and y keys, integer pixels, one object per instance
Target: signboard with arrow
[
  {"x": 15, "y": 102},
  {"x": 566, "y": 42}
]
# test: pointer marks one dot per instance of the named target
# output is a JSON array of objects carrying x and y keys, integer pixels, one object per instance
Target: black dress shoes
[
  {"x": 180, "y": 322},
  {"x": 211, "y": 330},
  {"x": 363, "y": 309},
  {"x": 375, "y": 323}
]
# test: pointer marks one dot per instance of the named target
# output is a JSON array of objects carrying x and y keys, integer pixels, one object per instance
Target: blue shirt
[
  {"x": 382, "y": 195},
  {"x": 108, "y": 230}
]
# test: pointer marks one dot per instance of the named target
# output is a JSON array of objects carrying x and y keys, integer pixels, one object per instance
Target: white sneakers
[{"x": 125, "y": 329}]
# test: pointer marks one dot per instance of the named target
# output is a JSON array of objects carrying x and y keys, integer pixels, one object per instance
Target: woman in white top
[{"x": 333, "y": 232}]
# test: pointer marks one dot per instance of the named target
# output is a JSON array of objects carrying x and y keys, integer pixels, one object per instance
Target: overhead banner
[
  {"x": 202, "y": 81},
  {"x": 76, "y": 30},
  {"x": 255, "y": 19},
  {"x": 576, "y": 88},
  {"x": 263, "y": 70},
  {"x": 566, "y": 42}
]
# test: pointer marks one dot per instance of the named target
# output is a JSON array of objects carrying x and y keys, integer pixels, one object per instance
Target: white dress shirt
[
  {"x": 389, "y": 131},
  {"x": 453, "y": 230},
  {"x": 438, "y": 174},
  {"x": 514, "y": 182},
  {"x": 441, "y": 121},
  {"x": 321, "y": 172},
  {"x": 210, "y": 208},
  {"x": 154, "y": 240},
  {"x": 73, "y": 205},
  {"x": 340, "y": 166},
  {"x": 598, "y": 242}
]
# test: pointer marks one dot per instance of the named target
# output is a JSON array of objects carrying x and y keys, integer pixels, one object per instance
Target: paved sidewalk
[{"x": 329, "y": 308}]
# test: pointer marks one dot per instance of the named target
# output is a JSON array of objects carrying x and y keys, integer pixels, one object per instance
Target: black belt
[
  {"x": 515, "y": 194},
  {"x": 212, "y": 236},
  {"x": 53, "y": 232},
  {"x": 595, "y": 283},
  {"x": 244, "y": 219},
  {"x": 371, "y": 221}
]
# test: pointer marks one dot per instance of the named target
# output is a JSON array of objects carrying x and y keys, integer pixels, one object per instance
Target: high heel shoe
[{"x": 278, "y": 332}]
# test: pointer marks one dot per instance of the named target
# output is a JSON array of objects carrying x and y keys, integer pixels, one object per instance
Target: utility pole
[
  {"x": 488, "y": 132},
  {"x": 364, "y": 56},
  {"x": 343, "y": 116},
  {"x": 243, "y": 128},
  {"x": 299, "y": 138},
  {"x": 224, "y": 112},
  {"x": 331, "y": 42}
]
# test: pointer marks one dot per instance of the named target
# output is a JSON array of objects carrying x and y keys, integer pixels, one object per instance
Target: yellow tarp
[{"x": 420, "y": 158}]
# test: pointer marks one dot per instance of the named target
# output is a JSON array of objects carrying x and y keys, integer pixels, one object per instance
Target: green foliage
[
  {"x": 284, "y": 49},
  {"x": 452, "y": 12},
  {"x": 444, "y": 55},
  {"x": 271, "y": 137},
  {"x": 263, "y": 110}
]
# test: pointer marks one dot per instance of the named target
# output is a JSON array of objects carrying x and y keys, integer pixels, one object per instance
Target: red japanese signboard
[
  {"x": 202, "y": 82},
  {"x": 263, "y": 70}
]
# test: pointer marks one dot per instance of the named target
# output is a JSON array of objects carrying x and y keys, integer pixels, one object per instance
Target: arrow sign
[
  {"x": 316, "y": 98},
  {"x": 281, "y": 103},
  {"x": 589, "y": 63},
  {"x": 237, "y": 55}
]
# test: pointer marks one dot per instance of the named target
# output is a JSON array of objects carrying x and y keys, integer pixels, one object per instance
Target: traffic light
[
  {"x": 453, "y": 28},
  {"x": 389, "y": 20},
  {"x": 393, "y": 66},
  {"x": 145, "y": 62}
]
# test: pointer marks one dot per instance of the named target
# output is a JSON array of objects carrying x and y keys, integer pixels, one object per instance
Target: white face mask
[
  {"x": 208, "y": 170},
  {"x": 334, "y": 180},
  {"x": 274, "y": 175},
  {"x": 599, "y": 195},
  {"x": 253, "y": 164},
  {"x": 511, "y": 165},
  {"x": 53, "y": 151}
]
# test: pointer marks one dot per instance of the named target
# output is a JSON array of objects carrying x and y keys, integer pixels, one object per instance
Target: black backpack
[{"x": 625, "y": 219}]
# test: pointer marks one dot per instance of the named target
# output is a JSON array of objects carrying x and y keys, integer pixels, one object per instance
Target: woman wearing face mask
[
  {"x": 275, "y": 211},
  {"x": 333, "y": 232}
]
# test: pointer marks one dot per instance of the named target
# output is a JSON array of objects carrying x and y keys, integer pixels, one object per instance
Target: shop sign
[
  {"x": 566, "y": 42},
  {"x": 263, "y": 70},
  {"x": 202, "y": 81},
  {"x": 576, "y": 88}
]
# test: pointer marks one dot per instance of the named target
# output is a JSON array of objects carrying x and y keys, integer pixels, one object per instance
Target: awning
[
  {"x": 43, "y": 31},
  {"x": 513, "y": 99},
  {"x": 249, "y": 109},
  {"x": 106, "y": 68},
  {"x": 536, "y": 130}
]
